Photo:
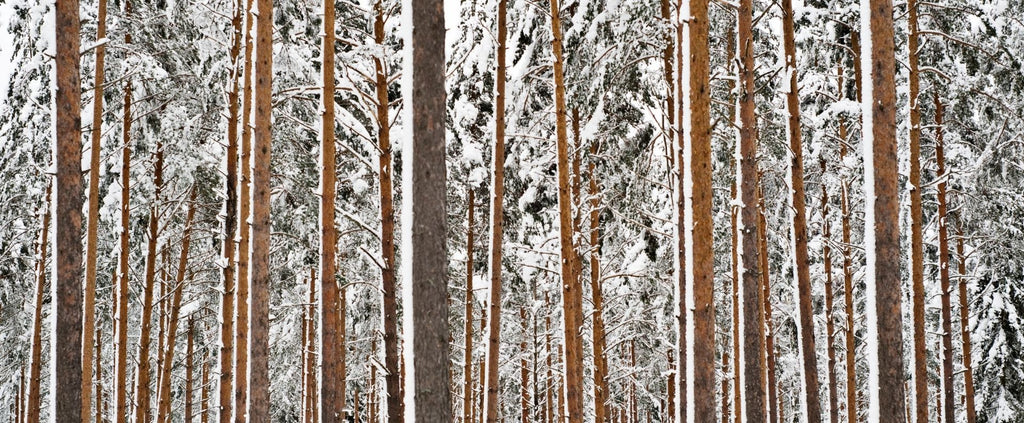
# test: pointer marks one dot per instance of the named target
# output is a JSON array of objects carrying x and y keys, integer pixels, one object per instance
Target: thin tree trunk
[
  {"x": 805, "y": 311},
  {"x": 524, "y": 373},
  {"x": 168, "y": 354},
  {"x": 312, "y": 384},
  {"x": 395, "y": 406},
  {"x": 332, "y": 308},
  {"x": 259, "y": 282},
  {"x": 204, "y": 395},
  {"x": 97, "y": 342},
  {"x": 884, "y": 319},
  {"x": 92, "y": 241},
  {"x": 572, "y": 301},
  {"x": 426, "y": 284},
  {"x": 189, "y": 367},
  {"x": 36, "y": 354},
  {"x": 467, "y": 387},
  {"x": 162, "y": 315},
  {"x": 700, "y": 271},
  {"x": 947, "y": 319},
  {"x": 965, "y": 328},
  {"x": 851, "y": 366},
  {"x": 600, "y": 361},
  {"x": 751, "y": 401},
  {"x": 497, "y": 224},
  {"x": 764, "y": 273},
  {"x": 143, "y": 409},
  {"x": 671, "y": 394},
  {"x": 679, "y": 194},
  {"x": 232, "y": 358},
  {"x": 549, "y": 409},
  {"x": 725, "y": 390},
  {"x": 241, "y": 304},
  {"x": 373, "y": 392},
  {"x": 920, "y": 371},
  {"x": 830, "y": 327},
  {"x": 121, "y": 291},
  {"x": 633, "y": 417}
]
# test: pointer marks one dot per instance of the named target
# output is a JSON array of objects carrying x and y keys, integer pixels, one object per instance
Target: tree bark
[
  {"x": 948, "y": 400},
  {"x": 751, "y": 397},
  {"x": 679, "y": 197},
  {"x": 884, "y": 318},
  {"x": 175, "y": 308},
  {"x": 426, "y": 308},
  {"x": 467, "y": 387},
  {"x": 232, "y": 358},
  {"x": 189, "y": 368},
  {"x": 700, "y": 254},
  {"x": 92, "y": 241},
  {"x": 241, "y": 294},
  {"x": 920, "y": 371},
  {"x": 36, "y": 353},
  {"x": 332, "y": 309},
  {"x": 97, "y": 342},
  {"x": 259, "y": 276},
  {"x": 830, "y": 327},
  {"x": 764, "y": 272},
  {"x": 309, "y": 354},
  {"x": 851, "y": 366},
  {"x": 121, "y": 291},
  {"x": 599, "y": 341},
  {"x": 143, "y": 409},
  {"x": 497, "y": 224},
  {"x": 204, "y": 395},
  {"x": 524, "y": 373},
  {"x": 965, "y": 328},
  {"x": 572, "y": 301}
]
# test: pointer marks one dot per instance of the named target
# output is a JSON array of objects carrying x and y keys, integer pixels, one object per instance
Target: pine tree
[
  {"x": 36, "y": 353},
  {"x": 164, "y": 410}
]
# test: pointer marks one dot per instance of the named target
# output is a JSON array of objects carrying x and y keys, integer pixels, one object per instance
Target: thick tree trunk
[
  {"x": 830, "y": 327},
  {"x": 92, "y": 240},
  {"x": 572, "y": 300},
  {"x": 700, "y": 255},
  {"x": 175, "y": 309},
  {"x": 121, "y": 291},
  {"x": 920, "y": 370},
  {"x": 600, "y": 361},
  {"x": 332, "y": 308},
  {"x": 143, "y": 409},
  {"x": 36, "y": 353},
  {"x": 425, "y": 210},
  {"x": 259, "y": 276},
  {"x": 948, "y": 401},
  {"x": 232, "y": 358},
  {"x": 750, "y": 403},
  {"x": 66, "y": 344},
  {"x": 965, "y": 328},
  {"x": 884, "y": 318},
  {"x": 467, "y": 387},
  {"x": 491, "y": 385}
]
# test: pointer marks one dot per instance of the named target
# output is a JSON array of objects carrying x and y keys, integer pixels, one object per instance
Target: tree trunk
[
  {"x": 259, "y": 282},
  {"x": 332, "y": 308},
  {"x": 549, "y": 409},
  {"x": 751, "y": 402},
  {"x": 467, "y": 387},
  {"x": 947, "y": 319},
  {"x": 309, "y": 355},
  {"x": 805, "y": 310},
  {"x": 851, "y": 366},
  {"x": 241, "y": 295},
  {"x": 725, "y": 390},
  {"x": 679, "y": 197},
  {"x": 524, "y": 373},
  {"x": 395, "y": 406},
  {"x": 232, "y": 358},
  {"x": 121, "y": 291},
  {"x": 700, "y": 255},
  {"x": 920, "y": 371},
  {"x": 491, "y": 385},
  {"x": 764, "y": 273},
  {"x": 143, "y": 409},
  {"x": 600, "y": 361},
  {"x": 830, "y": 327},
  {"x": 92, "y": 241},
  {"x": 373, "y": 392},
  {"x": 189, "y": 367},
  {"x": 965, "y": 328},
  {"x": 572, "y": 301},
  {"x": 175, "y": 309},
  {"x": 425, "y": 184},
  {"x": 36, "y": 354},
  {"x": 204, "y": 395},
  {"x": 98, "y": 342},
  {"x": 884, "y": 318}
]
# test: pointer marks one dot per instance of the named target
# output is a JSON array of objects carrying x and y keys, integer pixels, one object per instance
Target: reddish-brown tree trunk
[
  {"x": 121, "y": 291},
  {"x": 524, "y": 373},
  {"x": 143, "y": 410},
  {"x": 36, "y": 353},
  {"x": 189, "y": 370},
  {"x": 830, "y": 327},
  {"x": 948, "y": 404},
  {"x": 965, "y": 328},
  {"x": 764, "y": 272},
  {"x": 599, "y": 341},
  {"x": 175, "y": 308},
  {"x": 467, "y": 387},
  {"x": 232, "y": 358}
]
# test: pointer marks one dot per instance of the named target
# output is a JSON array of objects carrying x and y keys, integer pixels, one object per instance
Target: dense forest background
[{"x": 182, "y": 64}]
